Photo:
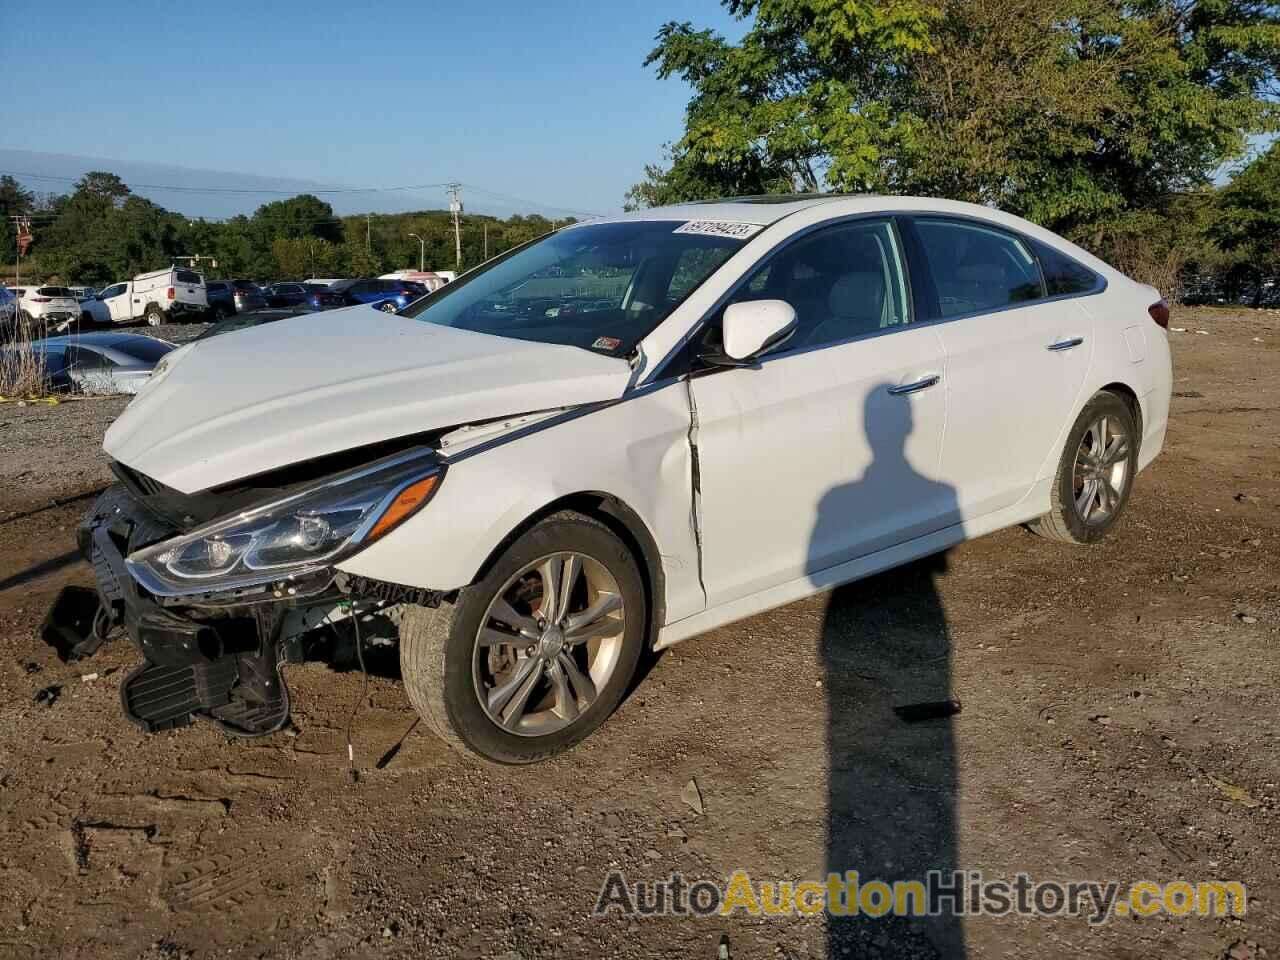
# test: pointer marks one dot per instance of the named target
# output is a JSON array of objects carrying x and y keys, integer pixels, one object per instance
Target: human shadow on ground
[{"x": 885, "y": 644}]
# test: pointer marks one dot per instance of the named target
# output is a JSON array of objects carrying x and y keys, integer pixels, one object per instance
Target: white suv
[{"x": 54, "y": 307}]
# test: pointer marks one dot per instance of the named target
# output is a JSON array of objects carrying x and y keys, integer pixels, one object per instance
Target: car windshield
[{"x": 602, "y": 287}]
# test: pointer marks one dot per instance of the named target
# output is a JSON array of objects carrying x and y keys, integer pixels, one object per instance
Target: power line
[
  {"x": 233, "y": 190},
  {"x": 530, "y": 203}
]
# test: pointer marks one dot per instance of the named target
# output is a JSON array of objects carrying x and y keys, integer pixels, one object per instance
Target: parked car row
[{"x": 176, "y": 295}]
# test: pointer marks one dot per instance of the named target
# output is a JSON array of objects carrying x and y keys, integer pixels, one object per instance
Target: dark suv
[{"x": 233, "y": 296}]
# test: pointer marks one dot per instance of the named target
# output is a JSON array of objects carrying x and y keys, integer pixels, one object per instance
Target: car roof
[{"x": 762, "y": 210}]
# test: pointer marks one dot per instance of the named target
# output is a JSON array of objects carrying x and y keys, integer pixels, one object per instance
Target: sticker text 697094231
[{"x": 719, "y": 228}]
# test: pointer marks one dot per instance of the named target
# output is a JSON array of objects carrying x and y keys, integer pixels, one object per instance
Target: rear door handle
[
  {"x": 1066, "y": 344},
  {"x": 923, "y": 384}
]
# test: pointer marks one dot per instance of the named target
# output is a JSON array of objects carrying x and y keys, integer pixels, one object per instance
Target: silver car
[{"x": 100, "y": 363}]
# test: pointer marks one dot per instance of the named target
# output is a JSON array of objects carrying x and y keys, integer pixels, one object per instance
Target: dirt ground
[{"x": 1119, "y": 722}]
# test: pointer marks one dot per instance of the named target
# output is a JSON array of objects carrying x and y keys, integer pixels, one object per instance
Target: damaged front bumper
[{"x": 214, "y": 656}]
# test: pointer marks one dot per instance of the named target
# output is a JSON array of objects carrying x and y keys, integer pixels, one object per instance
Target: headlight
[{"x": 293, "y": 536}]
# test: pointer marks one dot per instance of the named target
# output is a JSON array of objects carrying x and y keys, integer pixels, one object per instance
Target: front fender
[{"x": 636, "y": 450}]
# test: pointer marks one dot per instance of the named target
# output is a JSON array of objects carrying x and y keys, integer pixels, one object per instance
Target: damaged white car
[{"x": 610, "y": 439}]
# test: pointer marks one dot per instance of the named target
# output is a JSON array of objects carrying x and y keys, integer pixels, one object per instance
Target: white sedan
[{"x": 622, "y": 435}]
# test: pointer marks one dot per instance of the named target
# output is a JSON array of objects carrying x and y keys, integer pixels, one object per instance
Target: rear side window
[
  {"x": 977, "y": 268},
  {"x": 188, "y": 276},
  {"x": 87, "y": 360},
  {"x": 145, "y": 349},
  {"x": 1062, "y": 275}
]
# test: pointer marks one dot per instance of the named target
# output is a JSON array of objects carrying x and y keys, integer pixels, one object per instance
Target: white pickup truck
[{"x": 162, "y": 296}]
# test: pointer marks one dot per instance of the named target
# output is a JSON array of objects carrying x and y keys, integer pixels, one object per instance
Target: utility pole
[
  {"x": 486, "y": 241},
  {"x": 422, "y": 253},
  {"x": 368, "y": 220},
  {"x": 455, "y": 207}
]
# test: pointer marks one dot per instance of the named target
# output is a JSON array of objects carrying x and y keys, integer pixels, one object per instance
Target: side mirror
[{"x": 750, "y": 328}]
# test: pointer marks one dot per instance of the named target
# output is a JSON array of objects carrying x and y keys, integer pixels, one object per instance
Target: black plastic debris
[
  {"x": 49, "y": 695},
  {"x": 928, "y": 710},
  {"x": 69, "y": 625}
]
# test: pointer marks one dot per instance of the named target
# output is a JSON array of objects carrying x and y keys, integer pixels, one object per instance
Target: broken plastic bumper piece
[{"x": 222, "y": 664}]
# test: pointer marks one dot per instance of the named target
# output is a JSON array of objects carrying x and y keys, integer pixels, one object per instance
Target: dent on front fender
[{"x": 636, "y": 451}]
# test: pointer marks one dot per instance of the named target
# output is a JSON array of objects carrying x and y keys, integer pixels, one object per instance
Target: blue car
[{"x": 389, "y": 295}]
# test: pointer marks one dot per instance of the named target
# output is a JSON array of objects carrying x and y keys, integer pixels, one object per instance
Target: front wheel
[
  {"x": 534, "y": 656},
  {"x": 1095, "y": 474}
]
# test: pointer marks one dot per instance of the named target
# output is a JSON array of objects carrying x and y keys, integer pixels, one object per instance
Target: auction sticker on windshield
[{"x": 719, "y": 228}]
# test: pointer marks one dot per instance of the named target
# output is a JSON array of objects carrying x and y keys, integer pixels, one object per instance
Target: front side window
[
  {"x": 601, "y": 286},
  {"x": 843, "y": 282},
  {"x": 977, "y": 268},
  {"x": 112, "y": 291}
]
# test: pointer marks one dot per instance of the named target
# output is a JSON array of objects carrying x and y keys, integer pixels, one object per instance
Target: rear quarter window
[{"x": 1062, "y": 275}]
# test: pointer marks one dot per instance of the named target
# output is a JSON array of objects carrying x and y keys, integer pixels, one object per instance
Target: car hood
[{"x": 230, "y": 407}]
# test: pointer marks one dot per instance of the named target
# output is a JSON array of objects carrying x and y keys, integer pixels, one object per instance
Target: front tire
[
  {"x": 533, "y": 657},
  {"x": 1095, "y": 475}
]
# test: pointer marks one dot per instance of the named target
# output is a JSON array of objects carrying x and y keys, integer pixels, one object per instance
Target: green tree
[
  {"x": 301, "y": 257},
  {"x": 300, "y": 216},
  {"x": 1247, "y": 212},
  {"x": 359, "y": 261},
  {"x": 1066, "y": 111}
]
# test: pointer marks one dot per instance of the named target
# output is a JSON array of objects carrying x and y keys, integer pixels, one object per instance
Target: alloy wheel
[
  {"x": 1102, "y": 465},
  {"x": 548, "y": 643}
]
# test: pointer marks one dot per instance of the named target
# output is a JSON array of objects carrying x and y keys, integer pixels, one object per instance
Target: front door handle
[
  {"x": 923, "y": 384},
  {"x": 1066, "y": 344}
]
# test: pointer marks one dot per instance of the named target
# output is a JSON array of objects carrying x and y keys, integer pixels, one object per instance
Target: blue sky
[{"x": 543, "y": 101}]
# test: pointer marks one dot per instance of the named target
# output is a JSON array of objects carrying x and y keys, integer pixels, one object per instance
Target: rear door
[{"x": 1016, "y": 360}]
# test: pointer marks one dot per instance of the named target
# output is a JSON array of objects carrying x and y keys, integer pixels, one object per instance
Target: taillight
[
  {"x": 1160, "y": 313},
  {"x": 171, "y": 293}
]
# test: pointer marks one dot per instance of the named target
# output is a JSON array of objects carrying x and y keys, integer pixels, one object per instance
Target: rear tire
[
  {"x": 1095, "y": 474},
  {"x": 561, "y": 680},
  {"x": 154, "y": 316}
]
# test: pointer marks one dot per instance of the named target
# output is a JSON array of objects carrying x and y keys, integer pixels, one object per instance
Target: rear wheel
[
  {"x": 1095, "y": 474},
  {"x": 535, "y": 656},
  {"x": 154, "y": 316},
  {"x": 387, "y": 306}
]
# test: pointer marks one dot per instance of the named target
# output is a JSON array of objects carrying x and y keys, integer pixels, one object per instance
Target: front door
[
  {"x": 828, "y": 449},
  {"x": 116, "y": 297}
]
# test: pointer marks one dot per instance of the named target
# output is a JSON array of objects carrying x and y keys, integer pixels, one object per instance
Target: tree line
[
  {"x": 102, "y": 232},
  {"x": 1103, "y": 120}
]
